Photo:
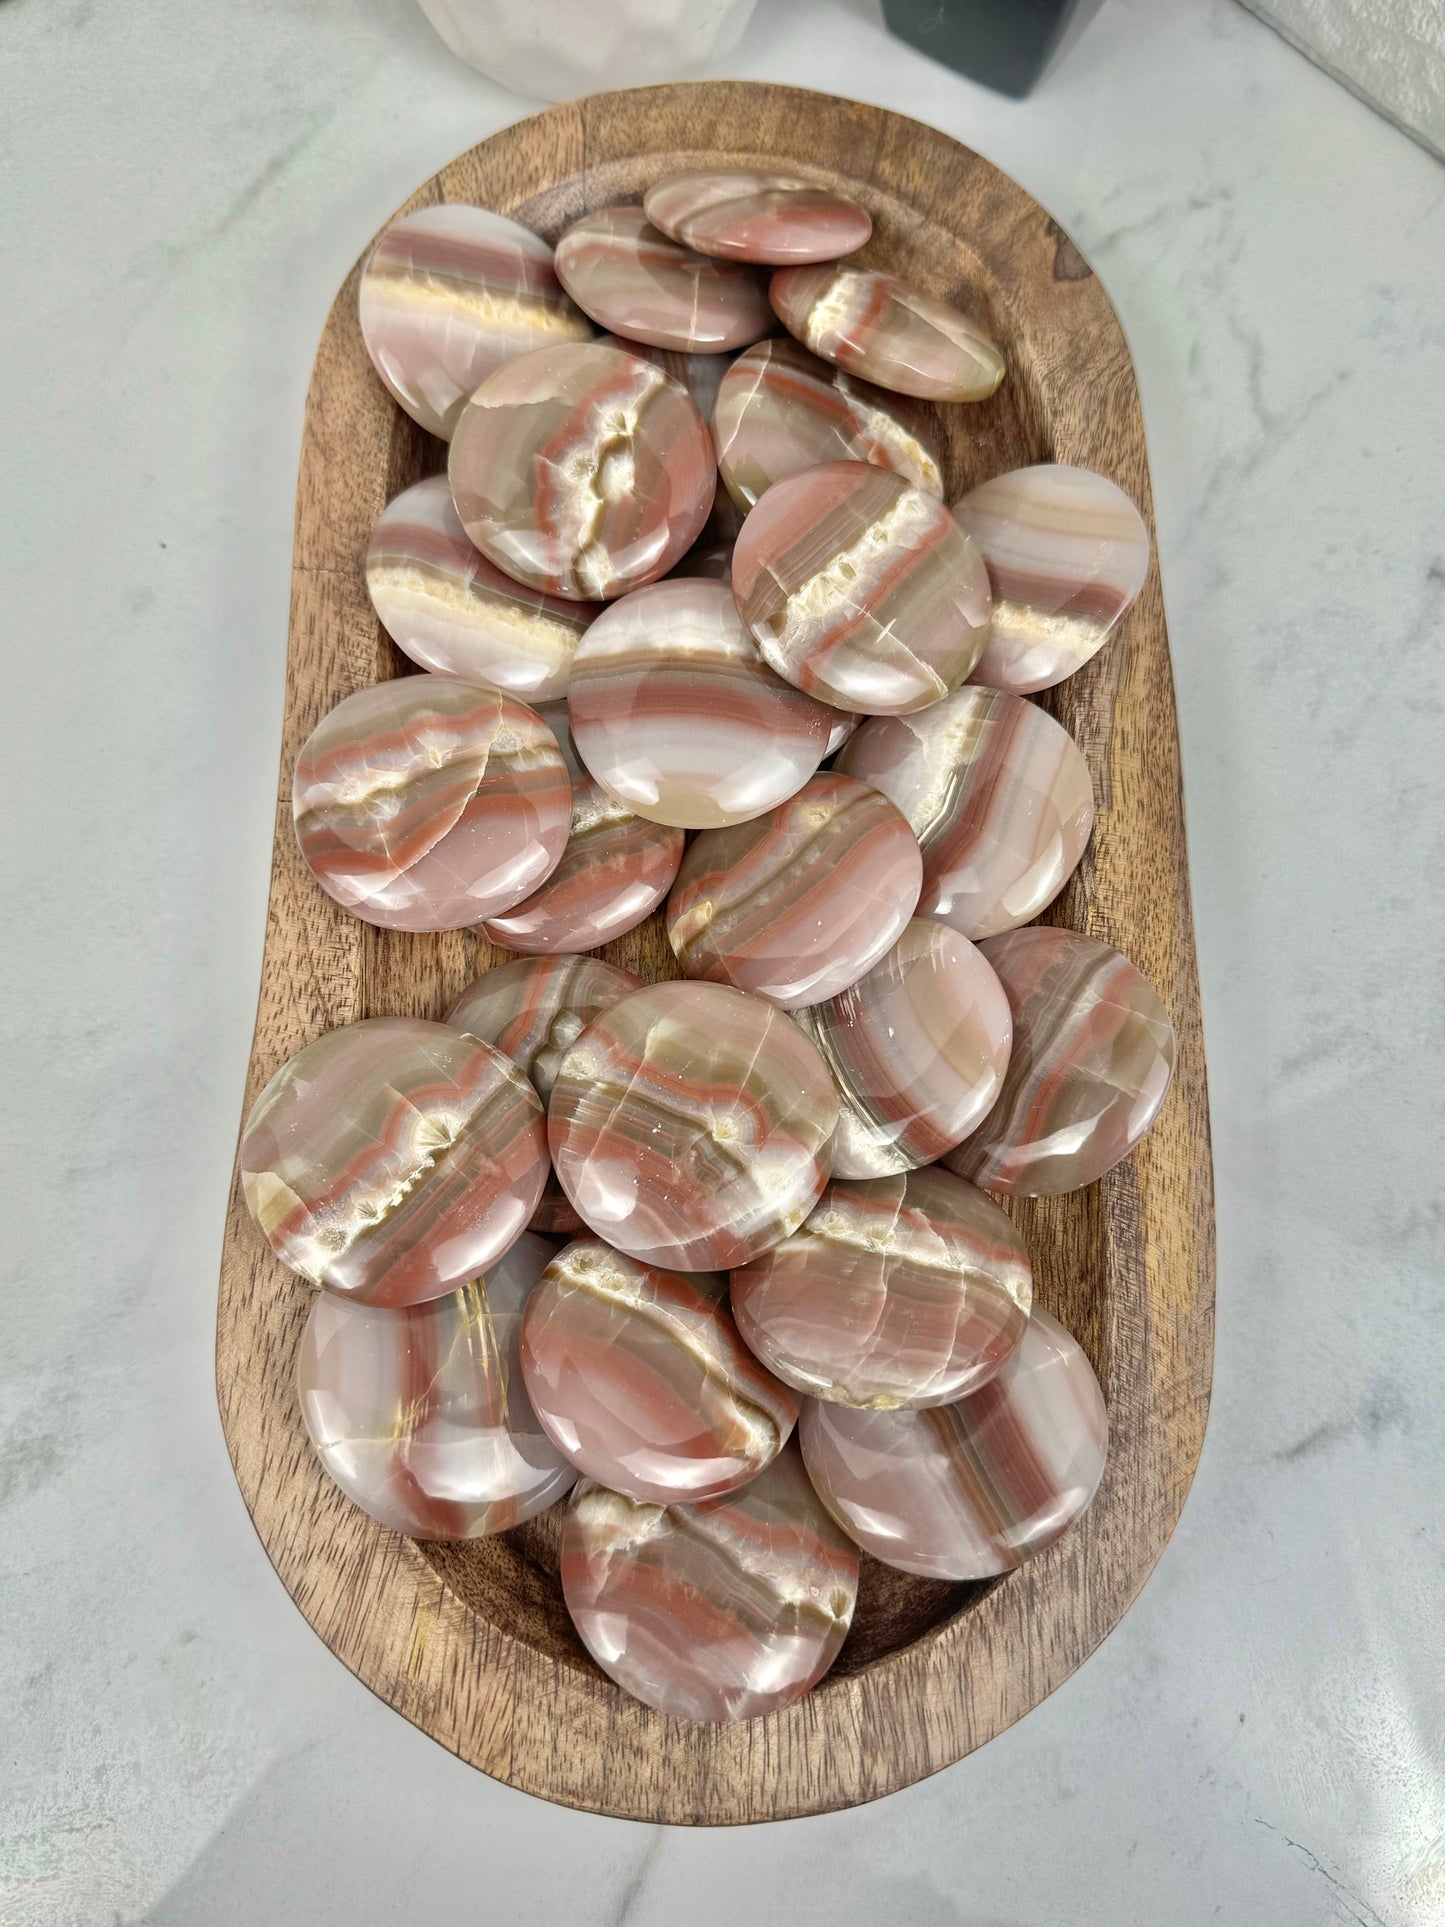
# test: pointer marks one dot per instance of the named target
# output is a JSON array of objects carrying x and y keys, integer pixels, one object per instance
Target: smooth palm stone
[
  {"x": 861, "y": 589},
  {"x": 450, "y": 293},
  {"x": 700, "y": 375},
  {"x": 901, "y": 1291},
  {"x": 1067, "y": 554},
  {"x": 1093, "y": 1053},
  {"x": 999, "y": 797},
  {"x": 742, "y": 215},
  {"x": 582, "y": 471},
  {"x": 918, "y": 1049},
  {"x": 640, "y": 1379},
  {"x": 876, "y": 326},
  {"x": 690, "y": 1126},
  {"x": 394, "y": 1159},
  {"x": 630, "y": 278},
  {"x": 725, "y": 1610},
  {"x": 675, "y": 713},
  {"x": 796, "y": 905},
  {"x": 430, "y": 804},
  {"x": 421, "y": 1415}
]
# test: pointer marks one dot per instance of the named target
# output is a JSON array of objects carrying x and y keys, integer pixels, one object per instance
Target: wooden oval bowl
[{"x": 471, "y": 1641}]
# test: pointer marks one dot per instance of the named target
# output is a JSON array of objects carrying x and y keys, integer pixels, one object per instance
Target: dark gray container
[{"x": 1005, "y": 44}]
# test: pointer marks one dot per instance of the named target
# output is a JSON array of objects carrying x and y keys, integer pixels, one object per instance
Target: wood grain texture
[{"x": 471, "y": 1642}]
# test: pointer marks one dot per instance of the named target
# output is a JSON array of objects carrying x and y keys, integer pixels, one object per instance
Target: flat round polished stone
[
  {"x": 641, "y": 1381},
  {"x": 878, "y": 327},
  {"x": 393, "y": 1160},
  {"x": 430, "y": 804},
  {"x": 676, "y": 714},
  {"x": 902, "y": 1291},
  {"x": 1092, "y": 1057},
  {"x": 629, "y": 277},
  {"x": 700, "y": 375},
  {"x": 740, "y": 214},
  {"x": 999, "y": 797},
  {"x": 421, "y": 1416},
  {"x": 857, "y": 588},
  {"x": 972, "y": 1489},
  {"x": 918, "y": 1050},
  {"x": 1067, "y": 554},
  {"x": 450, "y": 293},
  {"x": 690, "y": 1126},
  {"x": 444, "y": 605},
  {"x": 725, "y": 1610},
  {"x": 583, "y": 471},
  {"x": 796, "y": 905}
]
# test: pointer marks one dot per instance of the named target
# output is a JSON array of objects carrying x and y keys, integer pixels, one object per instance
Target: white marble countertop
[{"x": 1261, "y": 1739}]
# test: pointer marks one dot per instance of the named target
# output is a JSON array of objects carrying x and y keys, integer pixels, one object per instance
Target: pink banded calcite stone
[
  {"x": 421, "y": 1415},
  {"x": 430, "y": 804},
  {"x": 905, "y": 1291},
  {"x": 796, "y": 905},
  {"x": 700, "y": 375},
  {"x": 998, "y": 795},
  {"x": 450, "y": 293},
  {"x": 393, "y": 1160},
  {"x": 918, "y": 1049},
  {"x": 725, "y": 1610},
  {"x": 861, "y": 589},
  {"x": 582, "y": 471},
  {"x": 876, "y": 326},
  {"x": 675, "y": 713},
  {"x": 631, "y": 279},
  {"x": 1093, "y": 1053},
  {"x": 690, "y": 1126},
  {"x": 1067, "y": 554},
  {"x": 641, "y": 1381},
  {"x": 972, "y": 1489},
  {"x": 741, "y": 214},
  {"x": 449, "y": 609}
]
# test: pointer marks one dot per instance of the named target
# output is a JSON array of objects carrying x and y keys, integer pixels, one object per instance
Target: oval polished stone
[
  {"x": 741, "y": 214},
  {"x": 641, "y": 1381},
  {"x": 902, "y": 1291},
  {"x": 1067, "y": 554},
  {"x": 972, "y": 1489},
  {"x": 394, "y": 1159},
  {"x": 630, "y": 278},
  {"x": 450, "y": 293},
  {"x": 444, "y": 605},
  {"x": 725, "y": 1610},
  {"x": 421, "y": 1415},
  {"x": 676, "y": 714},
  {"x": 918, "y": 1050},
  {"x": 1092, "y": 1057},
  {"x": 429, "y": 804},
  {"x": 582, "y": 471},
  {"x": 796, "y": 905},
  {"x": 857, "y": 588},
  {"x": 690, "y": 1126},
  {"x": 876, "y": 326},
  {"x": 999, "y": 797}
]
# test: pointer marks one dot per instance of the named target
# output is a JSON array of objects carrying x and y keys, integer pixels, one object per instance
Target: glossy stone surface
[
  {"x": 1067, "y": 554},
  {"x": 843, "y": 730},
  {"x": 449, "y": 609},
  {"x": 901, "y": 1291},
  {"x": 861, "y": 589},
  {"x": 630, "y": 278},
  {"x": 1092, "y": 1057},
  {"x": 796, "y": 905},
  {"x": 641, "y": 1381},
  {"x": 876, "y": 326},
  {"x": 701, "y": 375},
  {"x": 968, "y": 1490},
  {"x": 725, "y": 1610},
  {"x": 429, "y": 804},
  {"x": 999, "y": 797},
  {"x": 450, "y": 293},
  {"x": 918, "y": 1049},
  {"x": 393, "y": 1160},
  {"x": 690, "y": 1126},
  {"x": 741, "y": 214},
  {"x": 582, "y": 471},
  {"x": 421, "y": 1416},
  {"x": 676, "y": 714}
]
